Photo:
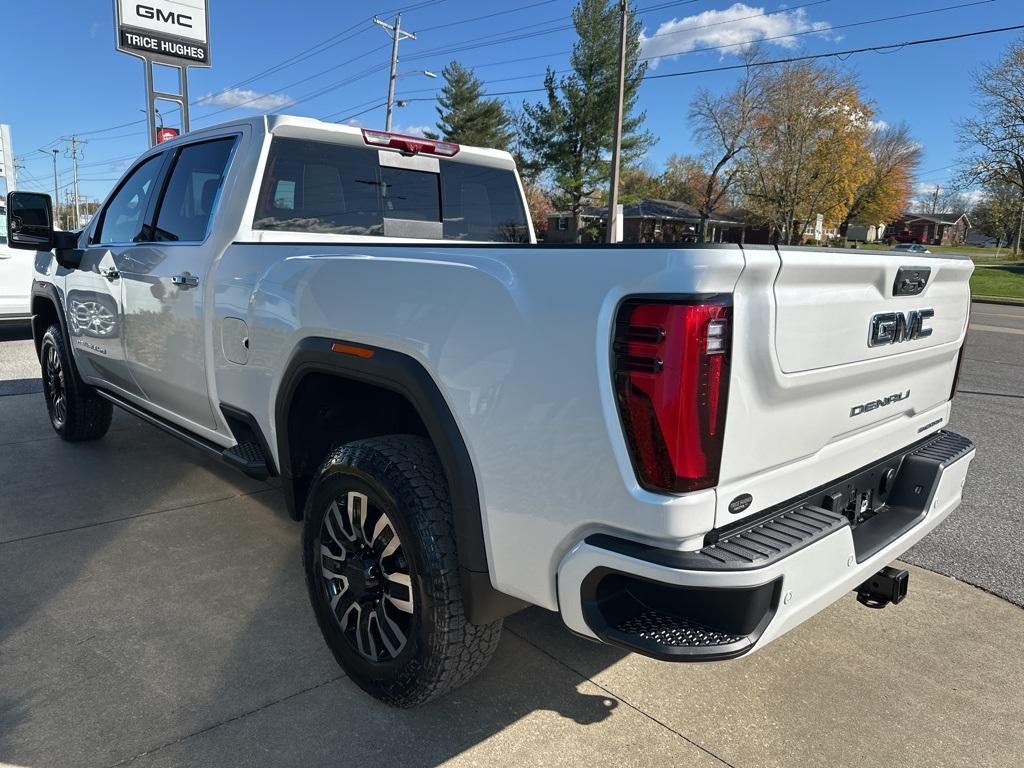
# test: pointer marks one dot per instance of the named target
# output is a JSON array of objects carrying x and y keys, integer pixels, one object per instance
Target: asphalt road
[{"x": 981, "y": 543}]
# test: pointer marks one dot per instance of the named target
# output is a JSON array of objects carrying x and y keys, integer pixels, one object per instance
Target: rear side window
[
  {"x": 336, "y": 189},
  {"x": 192, "y": 191}
]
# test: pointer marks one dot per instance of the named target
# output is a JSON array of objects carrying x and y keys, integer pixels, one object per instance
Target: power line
[
  {"x": 487, "y": 16},
  {"x": 849, "y": 52},
  {"x": 788, "y": 60},
  {"x": 741, "y": 43}
]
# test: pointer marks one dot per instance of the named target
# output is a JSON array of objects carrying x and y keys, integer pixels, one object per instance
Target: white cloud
[
  {"x": 877, "y": 125},
  {"x": 736, "y": 27},
  {"x": 412, "y": 130},
  {"x": 243, "y": 97}
]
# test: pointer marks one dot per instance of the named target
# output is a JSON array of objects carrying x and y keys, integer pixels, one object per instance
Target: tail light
[
  {"x": 411, "y": 145},
  {"x": 672, "y": 387}
]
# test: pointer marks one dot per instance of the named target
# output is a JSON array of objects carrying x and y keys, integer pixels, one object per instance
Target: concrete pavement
[
  {"x": 153, "y": 613},
  {"x": 165, "y": 623}
]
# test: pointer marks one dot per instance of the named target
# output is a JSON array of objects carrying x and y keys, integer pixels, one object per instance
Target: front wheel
[
  {"x": 76, "y": 412},
  {"x": 382, "y": 572}
]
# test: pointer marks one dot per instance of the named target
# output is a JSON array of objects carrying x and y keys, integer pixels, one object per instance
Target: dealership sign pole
[{"x": 169, "y": 33}]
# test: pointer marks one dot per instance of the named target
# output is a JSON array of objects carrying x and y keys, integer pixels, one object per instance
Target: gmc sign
[{"x": 169, "y": 31}]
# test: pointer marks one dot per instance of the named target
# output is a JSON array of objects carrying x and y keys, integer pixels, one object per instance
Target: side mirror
[{"x": 29, "y": 221}]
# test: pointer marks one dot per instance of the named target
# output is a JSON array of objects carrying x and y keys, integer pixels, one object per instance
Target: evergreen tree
[
  {"x": 466, "y": 117},
  {"x": 569, "y": 135}
]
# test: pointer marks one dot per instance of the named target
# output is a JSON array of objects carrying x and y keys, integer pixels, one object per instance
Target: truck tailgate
[{"x": 832, "y": 369}]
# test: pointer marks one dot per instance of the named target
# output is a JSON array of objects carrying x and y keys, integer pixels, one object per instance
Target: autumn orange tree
[
  {"x": 807, "y": 152},
  {"x": 893, "y": 157}
]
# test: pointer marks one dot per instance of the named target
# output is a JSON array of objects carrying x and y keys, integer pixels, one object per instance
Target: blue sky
[{"x": 84, "y": 86}]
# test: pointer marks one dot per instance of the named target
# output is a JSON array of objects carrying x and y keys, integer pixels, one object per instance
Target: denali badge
[
  {"x": 740, "y": 503},
  {"x": 895, "y": 327},
  {"x": 857, "y": 410}
]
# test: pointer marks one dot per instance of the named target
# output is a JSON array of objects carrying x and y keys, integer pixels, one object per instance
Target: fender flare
[
  {"x": 48, "y": 292},
  {"x": 405, "y": 376}
]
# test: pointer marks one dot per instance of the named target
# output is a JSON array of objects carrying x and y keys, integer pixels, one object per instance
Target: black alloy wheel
[
  {"x": 365, "y": 576},
  {"x": 76, "y": 411},
  {"x": 54, "y": 389},
  {"x": 383, "y": 574}
]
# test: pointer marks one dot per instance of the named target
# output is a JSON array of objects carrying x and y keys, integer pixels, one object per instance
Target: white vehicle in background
[
  {"x": 16, "y": 268},
  {"x": 685, "y": 451}
]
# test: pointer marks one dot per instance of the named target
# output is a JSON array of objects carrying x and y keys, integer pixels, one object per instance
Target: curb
[{"x": 1005, "y": 301}]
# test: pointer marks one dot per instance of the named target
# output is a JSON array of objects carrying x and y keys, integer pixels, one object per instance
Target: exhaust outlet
[{"x": 889, "y": 585}]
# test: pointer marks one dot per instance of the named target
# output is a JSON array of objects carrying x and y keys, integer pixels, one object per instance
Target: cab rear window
[{"x": 326, "y": 188}]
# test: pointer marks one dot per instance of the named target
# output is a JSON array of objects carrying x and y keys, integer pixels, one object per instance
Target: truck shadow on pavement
[{"x": 154, "y": 607}]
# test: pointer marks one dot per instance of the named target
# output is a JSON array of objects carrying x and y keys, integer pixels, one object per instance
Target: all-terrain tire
[
  {"x": 76, "y": 412},
  {"x": 398, "y": 480}
]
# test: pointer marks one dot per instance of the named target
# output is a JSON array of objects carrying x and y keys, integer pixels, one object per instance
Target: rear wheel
[
  {"x": 382, "y": 571},
  {"x": 76, "y": 412}
]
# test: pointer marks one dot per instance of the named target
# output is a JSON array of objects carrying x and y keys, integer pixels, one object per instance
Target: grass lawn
[
  {"x": 980, "y": 255},
  {"x": 998, "y": 281}
]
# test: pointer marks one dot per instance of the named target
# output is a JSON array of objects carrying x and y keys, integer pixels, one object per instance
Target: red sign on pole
[{"x": 166, "y": 134}]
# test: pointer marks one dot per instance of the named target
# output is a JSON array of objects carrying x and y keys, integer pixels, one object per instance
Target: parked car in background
[
  {"x": 910, "y": 248},
  {"x": 15, "y": 278}
]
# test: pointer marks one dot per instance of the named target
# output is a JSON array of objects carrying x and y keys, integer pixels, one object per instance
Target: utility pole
[
  {"x": 613, "y": 192},
  {"x": 56, "y": 187},
  {"x": 397, "y": 35},
  {"x": 75, "y": 143}
]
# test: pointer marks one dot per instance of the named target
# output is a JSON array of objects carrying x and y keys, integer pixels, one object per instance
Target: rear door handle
[{"x": 185, "y": 280}]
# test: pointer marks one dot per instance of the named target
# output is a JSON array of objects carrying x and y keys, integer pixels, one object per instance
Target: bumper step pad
[{"x": 665, "y": 630}]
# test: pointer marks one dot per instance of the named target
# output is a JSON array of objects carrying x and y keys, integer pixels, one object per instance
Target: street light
[
  {"x": 157, "y": 113},
  {"x": 392, "y": 103}
]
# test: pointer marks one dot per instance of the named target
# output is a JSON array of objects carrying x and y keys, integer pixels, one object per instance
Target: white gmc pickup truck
[{"x": 684, "y": 451}]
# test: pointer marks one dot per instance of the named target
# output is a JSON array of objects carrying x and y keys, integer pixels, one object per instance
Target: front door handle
[
  {"x": 110, "y": 273},
  {"x": 185, "y": 280}
]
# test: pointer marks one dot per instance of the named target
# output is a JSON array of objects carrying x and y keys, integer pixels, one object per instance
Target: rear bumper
[{"x": 763, "y": 578}]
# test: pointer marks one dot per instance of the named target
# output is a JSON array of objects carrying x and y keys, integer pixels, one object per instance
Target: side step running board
[{"x": 248, "y": 457}]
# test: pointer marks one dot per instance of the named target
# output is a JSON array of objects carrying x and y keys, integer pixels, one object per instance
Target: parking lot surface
[{"x": 153, "y": 613}]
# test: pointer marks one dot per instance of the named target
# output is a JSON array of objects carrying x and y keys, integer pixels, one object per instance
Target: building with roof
[
  {"x": 930, "y": 228},
  {"x": 647, "y": 221}
]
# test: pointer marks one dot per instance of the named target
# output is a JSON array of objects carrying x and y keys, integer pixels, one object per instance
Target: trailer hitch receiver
[{"x": 889, "y": 585}]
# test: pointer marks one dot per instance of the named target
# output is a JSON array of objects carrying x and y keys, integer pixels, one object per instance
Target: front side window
[
  {"x": 192, "y": 191},
  {"x": 123, "y": 217},
  {"x": 320, "y": 187}
]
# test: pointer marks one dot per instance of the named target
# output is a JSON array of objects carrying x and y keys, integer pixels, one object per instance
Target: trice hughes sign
[{"x": 175, "y": 32}]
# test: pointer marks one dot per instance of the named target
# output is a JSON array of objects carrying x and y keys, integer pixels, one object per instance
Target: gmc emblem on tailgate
[{"x": 896, "y": 327}]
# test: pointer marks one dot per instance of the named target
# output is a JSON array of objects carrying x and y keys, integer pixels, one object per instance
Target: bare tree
[
  {"x": 722, "y": 129},
  {"x": 941, "y": 199},
  {"x": 993, "y": 142}
]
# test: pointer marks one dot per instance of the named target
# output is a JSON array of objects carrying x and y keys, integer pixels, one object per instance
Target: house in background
[
  {"x": 930, "y": 228},
  {"x": 648, "y": 221},
  {"x": 865, "y": 232}
]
